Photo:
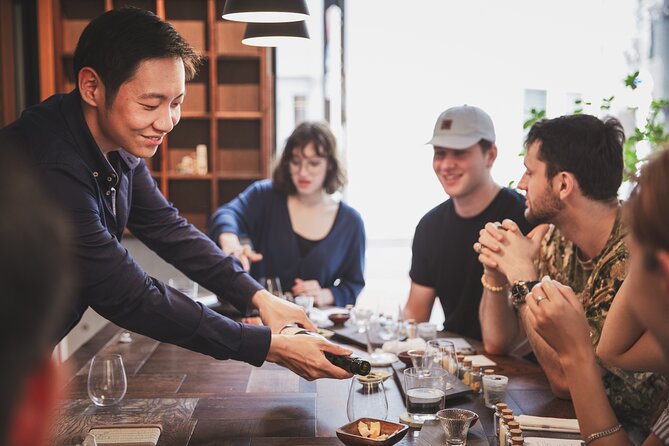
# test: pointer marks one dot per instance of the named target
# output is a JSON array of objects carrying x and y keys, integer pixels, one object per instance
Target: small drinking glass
[
  {"x": 425, "y": 394},
  {"x": 494, "y": 389},
  {"x": 422, "y": 360},
  {"x": 184, "y": 285},
  {"x": 360, "y": 318},
  {"x": 306, "y": 302},
  {"x": 367, "y": 399},
  {"x": 107, "y": 382},
  {"x": 455, "y": 423},
  {"x": 427, "y": 331}
]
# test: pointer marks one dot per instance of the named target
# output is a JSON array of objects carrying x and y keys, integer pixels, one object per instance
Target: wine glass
[
  {"x": 107, "y": 382},
  {"x": 380, "y": 330},
  {"x": 273, "y": 285},
  {"x": 367, "y": 399},
  {"x": 445, "y": 357}
]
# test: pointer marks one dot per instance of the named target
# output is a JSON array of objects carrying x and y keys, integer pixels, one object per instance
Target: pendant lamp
[
  {"x": 265, "y": 11},
  {"x": 274, "y": 34}
]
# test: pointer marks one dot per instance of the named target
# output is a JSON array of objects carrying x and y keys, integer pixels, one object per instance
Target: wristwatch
[{"x": 519, "y": 290}]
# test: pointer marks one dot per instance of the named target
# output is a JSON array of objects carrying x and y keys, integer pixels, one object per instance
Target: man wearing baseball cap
[{"x": 443, "y": 264}]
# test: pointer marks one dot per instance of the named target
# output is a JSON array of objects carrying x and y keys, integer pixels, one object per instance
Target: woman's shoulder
[{"x": 349, "y": 213}]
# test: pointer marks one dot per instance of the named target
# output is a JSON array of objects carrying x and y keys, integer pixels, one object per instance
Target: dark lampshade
[
  {"x": 274, "y": 34},
  {"x": 265, "y": 11}
]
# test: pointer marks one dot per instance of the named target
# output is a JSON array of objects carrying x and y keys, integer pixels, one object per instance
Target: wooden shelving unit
[{"x": 228, "y": 106}]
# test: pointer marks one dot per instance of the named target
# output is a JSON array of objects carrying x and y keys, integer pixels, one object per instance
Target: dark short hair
[
  {"x": 116, "y": 42},
  {"x": 325, "y": 145},
  {"x": 647, "y": 210},
  {"x": 485, "y": 145},
  {"x": 587, "y": 147},
  {"x": 35, "y": 278}
]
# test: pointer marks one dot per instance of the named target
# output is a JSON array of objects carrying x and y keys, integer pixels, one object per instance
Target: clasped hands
[{"x": 506, "y": 253}]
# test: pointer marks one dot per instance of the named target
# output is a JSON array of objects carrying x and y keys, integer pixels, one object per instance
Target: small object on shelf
[
  {"x": 201, "y": 167},
  {"x": 187, "y": 165}
]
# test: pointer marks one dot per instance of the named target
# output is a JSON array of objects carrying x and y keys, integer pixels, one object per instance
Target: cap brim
[{"x": 453, "y": 141}]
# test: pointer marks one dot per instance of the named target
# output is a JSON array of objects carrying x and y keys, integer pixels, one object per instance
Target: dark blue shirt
[
  {"x": 336, "y": 262},
  {"x": 444, "y": 258},
  {"x": 102, "y": 198}
]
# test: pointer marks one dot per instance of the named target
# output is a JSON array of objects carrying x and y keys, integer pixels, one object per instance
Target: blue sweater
[{"x": 261, "y": 214}]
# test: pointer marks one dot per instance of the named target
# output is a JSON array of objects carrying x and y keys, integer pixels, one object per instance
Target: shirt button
[
  {"x": 107, "y": 193},
  {"x": 109, "y": 179},
  {"x": 95, "y": 174}
]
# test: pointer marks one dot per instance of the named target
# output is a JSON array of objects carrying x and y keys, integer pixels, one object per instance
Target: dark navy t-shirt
[{"x": 443, "y": 257}]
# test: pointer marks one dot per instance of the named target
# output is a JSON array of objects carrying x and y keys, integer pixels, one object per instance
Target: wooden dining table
[{"x": 202, "y": 401}]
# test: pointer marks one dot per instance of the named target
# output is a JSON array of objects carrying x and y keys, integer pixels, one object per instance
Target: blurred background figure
[
  {"x": 299, "y": 232},
  {"x": 36, "y": 287}
]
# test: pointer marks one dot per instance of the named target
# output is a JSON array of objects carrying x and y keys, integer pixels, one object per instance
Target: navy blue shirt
[
  {"x": 102, "y": 197},
  {"x": 444, "y": 258},
  {"x": 336, "y": 262}
]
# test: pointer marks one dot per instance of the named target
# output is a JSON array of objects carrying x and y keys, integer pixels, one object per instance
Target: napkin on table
[{"x": 529, "y": 422}]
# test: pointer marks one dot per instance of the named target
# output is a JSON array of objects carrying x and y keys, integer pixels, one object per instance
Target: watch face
[{"x": 520, "y": 290}]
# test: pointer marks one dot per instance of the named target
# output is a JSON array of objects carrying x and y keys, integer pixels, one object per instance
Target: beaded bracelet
[
  {"x": 491, "y": 288},
  {"x": 604, "y": 433}
]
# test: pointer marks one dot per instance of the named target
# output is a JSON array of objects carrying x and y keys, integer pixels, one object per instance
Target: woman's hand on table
[
  {"x": 304, "y": 355},
  {"x": 558, "y": 317},
  {"x": 276, "y": 312},
  {"x": 322, "y": 296},
  {"x": 231, "y": 246}
]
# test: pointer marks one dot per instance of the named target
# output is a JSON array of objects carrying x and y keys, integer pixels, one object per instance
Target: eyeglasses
[{"x": 312, "y": 164}]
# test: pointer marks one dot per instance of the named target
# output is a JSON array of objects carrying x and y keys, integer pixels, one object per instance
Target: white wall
[{"x": 408, "y": 61}]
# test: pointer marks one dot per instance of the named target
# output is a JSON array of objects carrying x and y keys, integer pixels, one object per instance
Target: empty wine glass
[
  {"x": 367, "y": 399},
  {"x": 445, "y": 357},
  {"x": 381, "y": 329},
  {"x": 107, "y": 382}
]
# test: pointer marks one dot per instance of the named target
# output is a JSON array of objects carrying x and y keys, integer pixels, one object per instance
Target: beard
[{"x": 545, "y": 209}]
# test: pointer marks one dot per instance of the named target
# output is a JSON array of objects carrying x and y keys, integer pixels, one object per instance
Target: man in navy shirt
[
  {"x": 443, "y": 263},
  {"x": 89, "y": 146}
]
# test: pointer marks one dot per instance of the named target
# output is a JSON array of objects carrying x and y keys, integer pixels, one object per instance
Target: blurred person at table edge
[
  {"x": 36, "y": 283},
  {"x": 573, "y": 169},
  {"x": 89, "y": 146},
  {"x": 635, "y": 335},
  {"x": 298, "y": 231},
  {"x": 443, "y": 264}
]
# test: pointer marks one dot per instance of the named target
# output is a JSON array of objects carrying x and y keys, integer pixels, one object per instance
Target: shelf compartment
[
  {"x": 196, "y": 100},
  {"x": 193, "y": 199},
  {"x": 238, "y": 86},
  {"x": 229, "y": 189},
  {"x": 239, "y": 146},
  {"x": 72, "y": 29},
  {"x": 81, "y": 9},
  {"x": 189, "y": 18}
]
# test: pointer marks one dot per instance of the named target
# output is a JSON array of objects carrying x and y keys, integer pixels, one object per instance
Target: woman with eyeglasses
[
  {"x": 297, "y": 230},
  {"x": 636, "y": 331}
]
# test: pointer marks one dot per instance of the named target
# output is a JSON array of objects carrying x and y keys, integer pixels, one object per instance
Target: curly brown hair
[{"x": 325, "y": 144}]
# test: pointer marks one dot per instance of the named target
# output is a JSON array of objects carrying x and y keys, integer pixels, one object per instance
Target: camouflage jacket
[{"x": 636, "y": 398}]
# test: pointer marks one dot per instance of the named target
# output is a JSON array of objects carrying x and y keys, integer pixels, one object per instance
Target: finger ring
[
  {"x": 539, "y": 299},
  {"x": 478, "y": 248}
]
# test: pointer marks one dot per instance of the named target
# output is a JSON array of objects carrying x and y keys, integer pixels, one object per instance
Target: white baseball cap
[{"x": 461, "y": 127}]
